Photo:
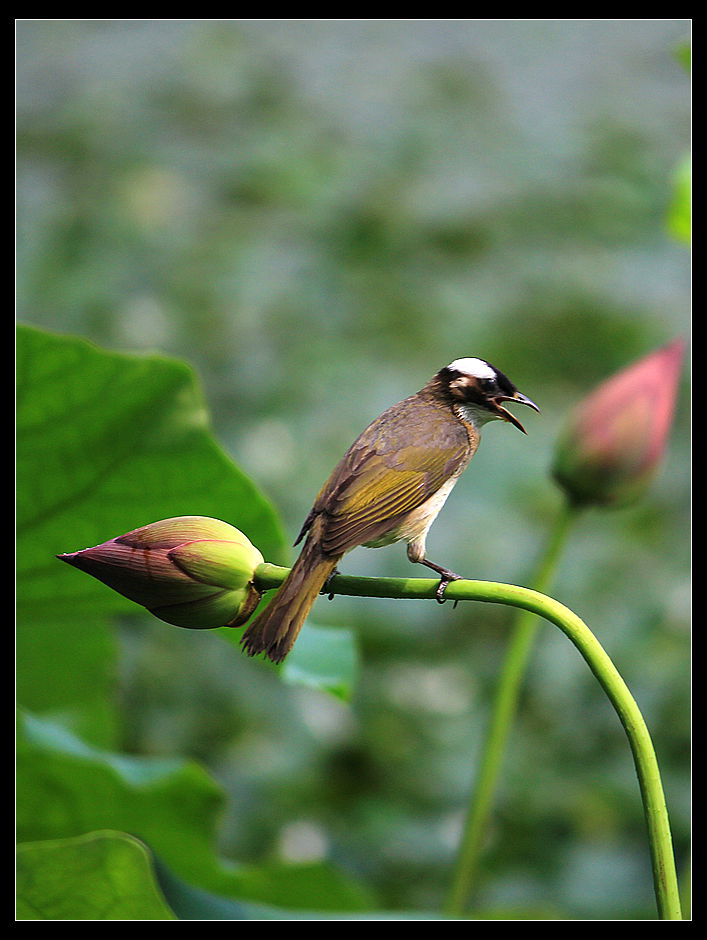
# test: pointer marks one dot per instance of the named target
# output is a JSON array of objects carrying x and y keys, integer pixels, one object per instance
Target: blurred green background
[{"x": 318, "y": 215}]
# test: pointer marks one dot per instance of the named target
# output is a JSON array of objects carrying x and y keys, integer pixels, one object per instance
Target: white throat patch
[
  {"x": 476, "y": 367},
  {"x": 475, "y": 414}
]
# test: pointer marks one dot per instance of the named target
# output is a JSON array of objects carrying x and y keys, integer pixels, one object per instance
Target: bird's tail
[{"x": 275, "y": 630}]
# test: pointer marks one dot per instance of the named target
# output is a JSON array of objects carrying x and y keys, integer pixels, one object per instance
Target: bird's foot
[
  {"x": 326, "y": 589},
  {"x": 447, "y": 578}
]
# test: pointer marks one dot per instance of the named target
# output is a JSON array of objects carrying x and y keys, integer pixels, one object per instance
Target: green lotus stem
[
  {"x": 664, "y": 875},
  {"x": 502, "y": 714}
]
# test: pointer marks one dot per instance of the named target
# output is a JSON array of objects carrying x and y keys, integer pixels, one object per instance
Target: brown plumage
[{"x": 389, "y": 485}]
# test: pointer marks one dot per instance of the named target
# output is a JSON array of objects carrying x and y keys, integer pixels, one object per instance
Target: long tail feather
[{"x": 275, "y": 630}]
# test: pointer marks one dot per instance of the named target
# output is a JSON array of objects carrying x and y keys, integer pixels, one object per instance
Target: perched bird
[{"x": 389, "y": 486}]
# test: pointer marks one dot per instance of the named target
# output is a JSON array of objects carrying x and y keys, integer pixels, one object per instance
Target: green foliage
[
  {"x": 323, "y": 658},
  {"x": 683, "y": 53},
  {"x": 98, "y": 876},
  {"x": 680, "y": 213},
  {"x": 109, "y": 442},
  {"x": 105, "y": 442},
  {"x": 170, "y": 804}
]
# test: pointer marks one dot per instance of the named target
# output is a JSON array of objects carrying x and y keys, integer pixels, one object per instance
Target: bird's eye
[{"x": 488, "y": 385}]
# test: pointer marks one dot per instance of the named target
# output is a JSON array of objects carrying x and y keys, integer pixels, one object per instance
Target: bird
[{"x": 389, "y": 486}]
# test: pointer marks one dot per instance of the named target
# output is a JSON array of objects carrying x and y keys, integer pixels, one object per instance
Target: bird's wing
[{"x": 378, "y": 482}]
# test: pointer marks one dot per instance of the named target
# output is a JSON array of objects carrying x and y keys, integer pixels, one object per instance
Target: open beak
[{"x": 506, "y": 414}]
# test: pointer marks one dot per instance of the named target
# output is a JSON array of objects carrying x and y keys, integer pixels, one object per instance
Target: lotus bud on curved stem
[{"x": 190, "y": 571}]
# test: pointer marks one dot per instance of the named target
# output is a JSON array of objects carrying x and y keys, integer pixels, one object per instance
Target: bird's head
[{"x": 479, "y": 389}]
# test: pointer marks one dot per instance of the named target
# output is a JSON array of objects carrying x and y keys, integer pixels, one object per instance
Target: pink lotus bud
[
  {"x": 616, "y": 437},
  {"x": 190, "y": 571}
]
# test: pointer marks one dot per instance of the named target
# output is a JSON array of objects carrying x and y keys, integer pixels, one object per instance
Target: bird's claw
[
  {"x": 326, "y": 589},
  {"x": 442, "y": 587}
]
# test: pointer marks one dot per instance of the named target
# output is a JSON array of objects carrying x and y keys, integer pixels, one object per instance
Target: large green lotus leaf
[
  {"x": 97, "y": 876},
  {"x": 66, "y": 788},
  {"x": 107, "y": 442}
]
